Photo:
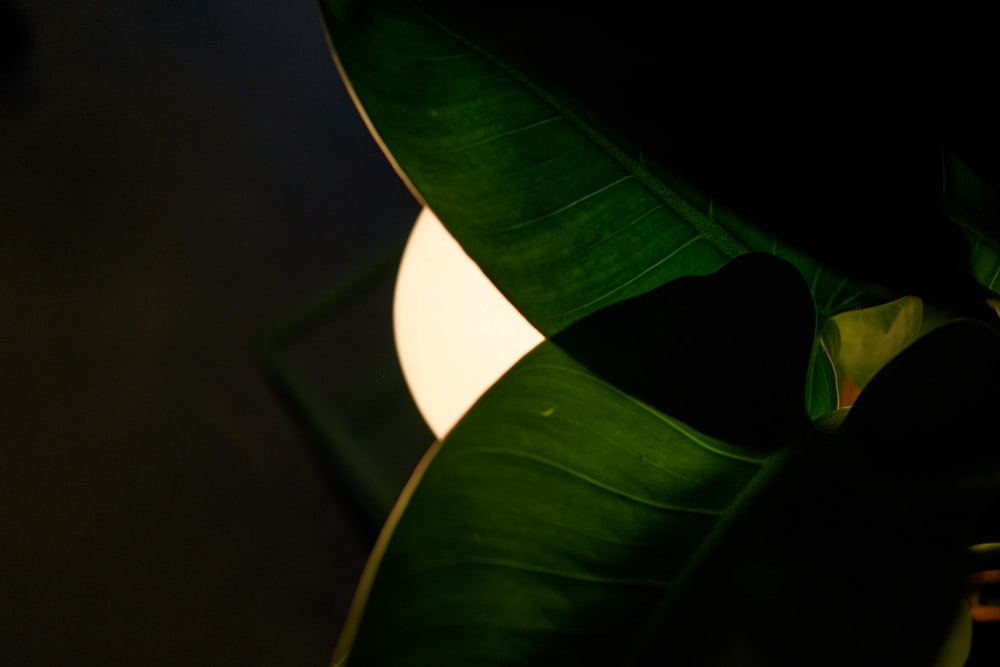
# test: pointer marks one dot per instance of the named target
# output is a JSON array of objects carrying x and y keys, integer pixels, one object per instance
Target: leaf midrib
[{"x": 702, "y": 224}]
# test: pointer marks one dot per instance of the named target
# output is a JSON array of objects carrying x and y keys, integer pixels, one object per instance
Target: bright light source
[{"x": 456, "y": 334}]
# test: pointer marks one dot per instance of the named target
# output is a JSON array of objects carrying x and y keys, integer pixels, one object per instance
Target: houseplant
[{"x": 662, "y": 479}]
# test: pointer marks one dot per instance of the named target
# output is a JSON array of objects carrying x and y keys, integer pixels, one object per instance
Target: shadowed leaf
[{"x": 702, "y": 347}]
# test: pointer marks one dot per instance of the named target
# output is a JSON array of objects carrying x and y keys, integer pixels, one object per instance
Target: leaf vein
[
  {"x": 564, "y": 208},
  {"x": 714, "y": 233},
  {"x": 555, "y": 465},
  {"x": 548, "y": 571},
  {"x": 443, "y": 57},
  {"x": 624, "y": 227},
  {"x": 676, "y": 425},
  {"x": 501, "y": 135},
  {"x": 636, "y": 277}
]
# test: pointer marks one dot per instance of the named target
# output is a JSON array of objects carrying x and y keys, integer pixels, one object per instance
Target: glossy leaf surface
[
  {"x": 554, "y": 521},
  {"x": 560, "y": 518},
  {"x": 565, "y": 218}
]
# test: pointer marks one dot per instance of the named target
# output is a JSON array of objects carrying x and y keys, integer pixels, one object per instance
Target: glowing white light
[{"x": 456, "y": 334}]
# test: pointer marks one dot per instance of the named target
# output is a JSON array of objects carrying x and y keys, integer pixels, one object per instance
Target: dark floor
[{"x": 174, "y": 178}]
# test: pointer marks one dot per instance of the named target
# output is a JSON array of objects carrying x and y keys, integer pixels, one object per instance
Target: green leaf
[
  {"x": 832, "y": 291},
  {"x": 565, "y": 217},
  {"x": 822, "y": 396},
  {"x": 562, "y": 518},
  {"x": 862, "y": 341},
  {"x": 975, "y": 207},
  {"x": 556, "y": 520}
]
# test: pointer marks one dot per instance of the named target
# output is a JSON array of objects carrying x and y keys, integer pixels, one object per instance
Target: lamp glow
[{"x": 456, "y": 334}]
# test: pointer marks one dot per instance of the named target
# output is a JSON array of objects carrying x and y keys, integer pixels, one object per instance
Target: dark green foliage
[
  {"x": 719, "y": 365},
  {"x": 680, "y": 214}
]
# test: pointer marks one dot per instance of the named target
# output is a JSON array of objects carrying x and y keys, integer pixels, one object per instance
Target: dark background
[{"x": 174, "y": 178}]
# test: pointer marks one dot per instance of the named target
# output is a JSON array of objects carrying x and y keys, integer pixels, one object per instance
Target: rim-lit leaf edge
[
  {"x": 467, "y": 440},
  {"x": 679, "y": 232},
  {"x": 449, "y": 115},
  {"x": 828, "y": 299}
]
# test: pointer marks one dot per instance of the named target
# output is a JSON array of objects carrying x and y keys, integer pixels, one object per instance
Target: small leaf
[
  {"x": 860, "y": 342},
  {"x": 975, "y": 207},
  {"x": 944, "y": 388},
  {"x": 822, "y": 395}
]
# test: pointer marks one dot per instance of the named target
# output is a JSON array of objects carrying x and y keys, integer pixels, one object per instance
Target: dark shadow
[{"x": 726, "y": 353}]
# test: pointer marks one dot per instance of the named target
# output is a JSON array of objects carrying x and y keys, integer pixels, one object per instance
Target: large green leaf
[
  {"x": 554, "y": 522},
  {"x": 564, "y": 517},
  {"x": 561, "y": 519},
  {"x": 565, "y": 217},
  {"x": 564, "y": 522}
]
